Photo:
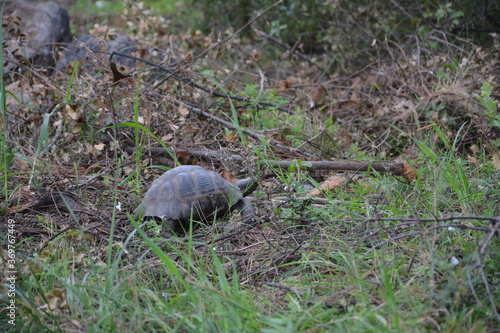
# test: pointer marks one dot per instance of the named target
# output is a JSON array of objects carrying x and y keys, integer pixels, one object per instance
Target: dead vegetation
[{"x": 86, "y": 138}]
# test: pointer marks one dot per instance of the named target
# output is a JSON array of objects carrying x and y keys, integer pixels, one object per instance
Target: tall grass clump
[{"x": 5, "y": 155}]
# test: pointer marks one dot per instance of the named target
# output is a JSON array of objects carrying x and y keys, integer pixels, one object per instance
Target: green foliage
[
  {"x": 452, "y": 169},
  {"x": 290, "y": 21},
  {"x": 91, "y": 8},
  {"x": 448, "y": 74},
  {"x": 490, "y": 109},
  {"x": 341, "y": 267},
  {"x": 257, "y": 116},
  {"x": 489, "y": 104},
  {"x": 6, "y": 156},
  {"x": 349, "y": 31},
  {"x": 445, "y": 14}
]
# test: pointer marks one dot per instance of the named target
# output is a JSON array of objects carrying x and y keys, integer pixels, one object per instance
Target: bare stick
[
  {"x": 339, "y": 165},
  {"x": 204, "y": 154},
  {"x": 397, "y": 169}
]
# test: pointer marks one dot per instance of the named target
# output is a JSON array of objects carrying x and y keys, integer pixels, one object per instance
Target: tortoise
[{"x": 192, "y": 191}]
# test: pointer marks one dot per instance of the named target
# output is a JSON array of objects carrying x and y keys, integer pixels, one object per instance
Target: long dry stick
[{"x": 398, "y": 169}]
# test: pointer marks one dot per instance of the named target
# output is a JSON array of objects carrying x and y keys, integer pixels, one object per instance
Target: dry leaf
[
  {"x": 167, "y": 138},
  {"x": 285, "y": 84},
  {"x": 409, "y": 173},
  {"x": 474, "y": 149},
  {"x": 228, "y": 175},
  {"x": 357, "y": 83},
  {"x": 99, "y": 146},
  {"x": 472, "y": 159},
  {"x": 255, "y": 55},
  {"x": 183, "y": 111},
  {"x": 56, "y": 299},
  {"x": 117, "y": 76},
  {"x": 496, "y": 161},
  {"x": 23, "y": 164},
  {"x": 317, "y": 96},
  {"x": 20, "y": 208},
  {"x": 71, "y": 113},
  {"x": 230, "y": 136},
  {"x": 128, "y": 170},
  {"x": 76, "y": 323},
  {"x": 329, "y": 184},
  {"x": 188, "y": 58}
]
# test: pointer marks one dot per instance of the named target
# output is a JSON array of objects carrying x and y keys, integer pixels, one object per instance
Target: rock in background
[
  {"x": 96, "y": 51},
  {"x": 31, "y": 31}
]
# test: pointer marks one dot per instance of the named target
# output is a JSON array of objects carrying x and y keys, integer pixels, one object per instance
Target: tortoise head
[{"x": 247, "y": 185}]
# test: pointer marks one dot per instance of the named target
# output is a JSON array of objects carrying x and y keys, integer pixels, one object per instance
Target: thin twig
[
  {"x": 419, "y": 232},
  {"x": 202, "y": 54},
  {"x": 173, "y": 74}
]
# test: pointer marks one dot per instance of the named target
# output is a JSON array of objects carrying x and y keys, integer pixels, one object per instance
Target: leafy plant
[
  {"x": 447, "y": 13},
  {"x": 489, "y": 104},
  {"x": 490, "y": 110}
]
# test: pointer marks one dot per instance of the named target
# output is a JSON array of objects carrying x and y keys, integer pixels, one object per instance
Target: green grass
[
  {"x": 407, "y": 285},
  {"x": 5, "y": 155},
  {"x": 381, "y": 255}
]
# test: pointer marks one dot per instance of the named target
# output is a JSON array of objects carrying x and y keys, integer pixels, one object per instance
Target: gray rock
[
  {"x": 93, "y": 51},
  {"x": 96, "y": 53},
  {"x": 43, "y": 24}
]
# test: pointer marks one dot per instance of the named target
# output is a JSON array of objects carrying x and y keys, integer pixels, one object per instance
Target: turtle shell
[{"x": 189, "y": 191}]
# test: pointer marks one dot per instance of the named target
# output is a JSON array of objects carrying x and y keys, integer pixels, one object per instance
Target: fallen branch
[{"x": 398, "y": 169}]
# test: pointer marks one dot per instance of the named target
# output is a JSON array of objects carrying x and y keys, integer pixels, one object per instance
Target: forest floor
[{"x": 398, "y": 236}]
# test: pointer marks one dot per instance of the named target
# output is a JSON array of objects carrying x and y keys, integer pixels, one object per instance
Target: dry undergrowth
[{"x": 92, "y": 164}]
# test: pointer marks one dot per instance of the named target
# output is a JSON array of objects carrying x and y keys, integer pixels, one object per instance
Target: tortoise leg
[
  {"x": 177, "y": 227},
  {"x": 247, "y": 185},
  {"x": 246, "y": 208},
  {"x": 170, "y": 227}
]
